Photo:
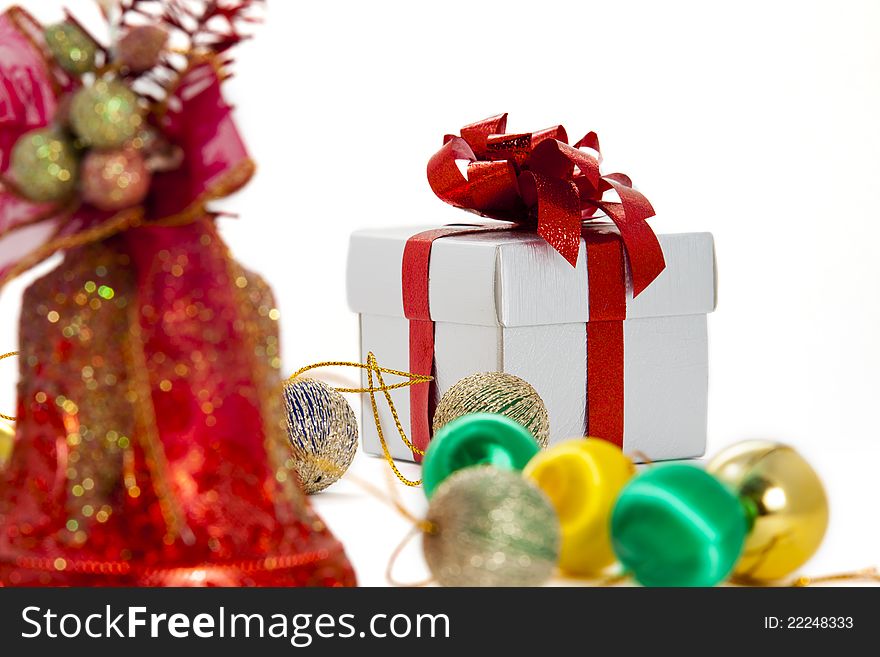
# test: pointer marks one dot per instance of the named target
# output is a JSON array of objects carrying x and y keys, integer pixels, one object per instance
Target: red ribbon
[
  {"x": 607, "y": 302},
  {"x": 538, "y": 179}
]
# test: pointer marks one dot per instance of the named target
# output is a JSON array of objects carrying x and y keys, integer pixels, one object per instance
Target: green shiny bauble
[
  {"x": 476, "y": 439},
  {"x": 72, "y": 48},
  {"x": 677, "y": 525},
  {"x": 44, "y": 166},
  {"x": 106, "y": 115},
  {"x": 490, "y": 527}
]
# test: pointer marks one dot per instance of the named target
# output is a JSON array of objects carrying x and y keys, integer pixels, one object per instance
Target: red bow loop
[{"x": 537, "y": 179}]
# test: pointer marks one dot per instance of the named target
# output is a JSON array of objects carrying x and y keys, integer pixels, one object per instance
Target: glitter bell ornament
[
  {"x": 496, "y": 392},
  {"x": 105, "y": 115},
  {"x": 490, "y": 527},
  {"x": 44, "y": 166},
  {"x": 677, "y": 525},
  {"x": 476, "y": 439},
  {"x": 785, "y": 500},
  {"x": 582, "y": 478},
  {"x": 114, "y": 180},
  {"x": 141, "y": 47},
  {"x": 323, "y": 432},
  {"x": 150, "y": 443},
  {"x": 73, "y": 49}
]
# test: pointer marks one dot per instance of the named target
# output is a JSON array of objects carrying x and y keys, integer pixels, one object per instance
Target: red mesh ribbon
[
  {"x": 538, "y": 179},
  {"x": 195, "y": 118}
]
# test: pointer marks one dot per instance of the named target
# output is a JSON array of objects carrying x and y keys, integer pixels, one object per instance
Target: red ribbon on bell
[{"x": 537, "y": 179}]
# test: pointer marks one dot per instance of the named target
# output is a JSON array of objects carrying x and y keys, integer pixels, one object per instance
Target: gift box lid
[{"x": 511, "y": 278}]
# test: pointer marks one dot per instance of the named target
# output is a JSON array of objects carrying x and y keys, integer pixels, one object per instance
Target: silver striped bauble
[{"x": 323, "y": 432}]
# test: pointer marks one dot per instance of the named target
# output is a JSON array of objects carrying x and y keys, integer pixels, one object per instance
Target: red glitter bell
[{"x": 150, "y": 446}]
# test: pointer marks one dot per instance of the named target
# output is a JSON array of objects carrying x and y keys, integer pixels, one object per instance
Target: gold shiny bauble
[
  {"x": 500, "y": 393},
  {"x": 44, "y": 166},
  {"x": 141, "y": 47},
  {"x": 73, "y": 49},
  {"x": 490, "y": 527},
  {"x": 323, "y": 432},
  {"x": 7, "y": 438},
  {"x": 583, "y": 478},
  {"x": 786, "y": 501},
  {"x": 106, "y": 115},
  {"x": 114, "y": 180}
]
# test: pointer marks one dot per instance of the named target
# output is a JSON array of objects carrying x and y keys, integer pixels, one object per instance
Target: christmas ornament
[
  {"x": 7, "y": 437},
  {"x": 44, "y": 166},
  {"x": 375, "y": 384},
  {"x": 323, "y": 432},
  {"x": 105, "y": 115},
  {"x": 150, "y": 444},
  {"x": 141, "y": 47},
  {"x": 114, "y": 180},
  {"x": 73, "y": 49},
  {"x": 495, "y": 392},
  {"x": 490, "y": 527},
  {"x": 476, "y": 439},
  {"x": 786, "y": 501},
  {"x": 582, "y": 478},
  {"x": 677, "y": 525}
]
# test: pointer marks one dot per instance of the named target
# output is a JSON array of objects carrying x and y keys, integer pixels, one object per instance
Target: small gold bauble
[
  {"x": 106, "y": 115},
  {"x": 490, "y": 527},
  {"x": 44, "y": 166},
  {"x": 7, "y": 438},
  {"x": 786, "y": 501},
  {"x": 323, "y": 432},
  {"x": 73, "y": 49},
  {"x": 496, "y": 392}
]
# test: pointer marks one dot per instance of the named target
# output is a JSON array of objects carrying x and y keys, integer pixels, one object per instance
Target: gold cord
[
  {"x": 373, "y": 368},
  {"x": 8, "y": 355},
  {"x": 865, "y": 575}
]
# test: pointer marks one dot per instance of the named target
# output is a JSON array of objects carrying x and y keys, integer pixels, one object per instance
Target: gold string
[
  {"x": 372, "y": 367},
  {"x": 8, "y": 355},
  {"x": 413, "y": 378},
  {"x": 871, "y": 574}
]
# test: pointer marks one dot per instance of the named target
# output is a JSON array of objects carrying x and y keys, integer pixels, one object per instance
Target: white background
[{"x": 755, "y": 120}]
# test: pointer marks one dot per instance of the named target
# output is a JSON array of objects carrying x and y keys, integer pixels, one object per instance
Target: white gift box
[{"x": 507, "y": 301}]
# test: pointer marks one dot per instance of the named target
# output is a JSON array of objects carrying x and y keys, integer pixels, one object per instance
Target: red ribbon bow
[{"x": 538, "y": 177}]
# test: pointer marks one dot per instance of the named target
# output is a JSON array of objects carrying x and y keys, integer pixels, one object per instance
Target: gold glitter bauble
[
  {"x": 323, "y": 432},
  {"x": 105, "y": 115},
  {"x": 141, "y": 47},
  {"x": 490, "y": 527},
  {"x": 73, "y": 49},
  {"x": 500, "y": 393},
  {"x": 44, "y": 166},
  {"x": 114, "y": 180},
  {"x": 786, "y": 501},
  {"x": 7, "y": 438}
]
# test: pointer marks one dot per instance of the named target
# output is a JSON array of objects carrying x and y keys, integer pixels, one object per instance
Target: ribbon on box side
[{"x": 537, "y": 181}]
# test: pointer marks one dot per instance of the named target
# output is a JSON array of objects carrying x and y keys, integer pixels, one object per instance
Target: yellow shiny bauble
[
  {"x": 7, "y": 437},
  {"x": 582, "y": 478},
  {"x": 786, "y": 501}
]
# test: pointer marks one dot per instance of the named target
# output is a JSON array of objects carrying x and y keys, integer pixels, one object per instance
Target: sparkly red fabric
[{"x": 150, "y": 445}]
